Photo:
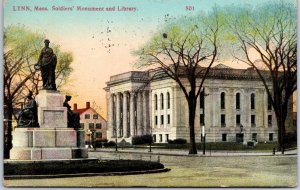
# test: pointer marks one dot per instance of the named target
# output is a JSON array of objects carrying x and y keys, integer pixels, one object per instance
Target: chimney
[
  {"x": 87, "y": 104},
  {"x": 75, "y": 107}
]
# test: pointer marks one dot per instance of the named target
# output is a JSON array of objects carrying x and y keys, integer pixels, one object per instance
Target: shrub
[
  {"x": 144, "y": 139},
  {"x": 100, "y": 143},
  {"x": 109, "y": 144},
  {"x": 177, "y": 141}
]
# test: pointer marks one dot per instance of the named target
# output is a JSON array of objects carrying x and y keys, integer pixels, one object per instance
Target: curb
[
  {"x": 85, "y": 174},
  {"x": 195, "y": 155}
]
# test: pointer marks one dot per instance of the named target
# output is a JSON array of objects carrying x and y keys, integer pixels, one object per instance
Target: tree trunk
[
  {"x": 192, "y": 110},
  {"x": 8, "y": 133},
  {"x": 281, "y": 117}
]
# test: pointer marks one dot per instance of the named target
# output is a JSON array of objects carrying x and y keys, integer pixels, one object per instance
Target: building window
[
  {"x": 238, "y": 101},
  {"x": 98, "y": 135},
  {"x": 202, "y": 99},
  {"x": 252, "y": 101},
  {"x": 98, "y": 125},
  {"x": 254, "y": 136},
  {"x": 161, "y": 101},
  {"x": 223, "y": 100},
  {"x": 269, "y": 120},
  {"x": 224, "y": 137},
  {"x": 91, "y": 125},
  {"x": 270, "y": 136},
  {"x": 253, "y": 120},
  {"x": 223, "y": 121},
  {"x": 202, "y": 119},
  {"x": 169, "y": 119},
  {"x": 239, "y": 137},
  {"x": 155, "y": 101},
  {"x": 156, "y": 120},
  {"x": 81, "y": 125},
  {"x": 154, "y": 138},
  {"x": 87, "y": 116},
  {"x": 168, "y": 100},
  {"x": 167, "y": 137},
  {"x": 162, "y": 119},
  {"x": 95, "y": 116},
  {"x": 238, "y": 119},
  {"x": 269, "y": 104},
  {"x": 160, "y": 137}
]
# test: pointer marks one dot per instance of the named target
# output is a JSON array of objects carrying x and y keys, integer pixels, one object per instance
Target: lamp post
[
  {"x": 203, "y": 138},
  {"x": 89, "y": 133}
]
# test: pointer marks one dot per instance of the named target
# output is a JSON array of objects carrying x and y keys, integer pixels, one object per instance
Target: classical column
[
  {"x": 110, "y": 115},
  {"x": 125, "y": 123},
  {"x": 139, "y": 112},
  {"x": 131, "y": 114},
  {"x": 146, "y": 129},
  {"x": 118, "y": 114}
]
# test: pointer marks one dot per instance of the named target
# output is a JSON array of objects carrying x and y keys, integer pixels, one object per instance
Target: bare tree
[
  {"x": 185, "y": 53},
  {"x": 267, "y": 38}
]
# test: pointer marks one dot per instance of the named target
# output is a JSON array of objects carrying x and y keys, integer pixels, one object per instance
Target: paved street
[{"x": 188, "y": 171}]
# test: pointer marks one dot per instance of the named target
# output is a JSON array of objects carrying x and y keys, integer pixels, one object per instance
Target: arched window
[
  {"x": 252, "y": 101},
  {"x": 155, "y": 101},
  {"x": 168, "y": 100},
  {"x": 238, "y": 101},
  {"x": 223, "y": 100},
  {"x": 162, "y": 101}
]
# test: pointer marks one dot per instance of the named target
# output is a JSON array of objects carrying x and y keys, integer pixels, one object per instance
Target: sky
[{"x": 102, "y": 41}]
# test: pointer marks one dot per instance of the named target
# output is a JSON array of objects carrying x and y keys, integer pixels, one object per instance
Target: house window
[
  {"x": 91, "y": 125},
  {"x": 169, "y": 119},
  {"x": 168, "y": 100},
  {"x": 155, "y": 101},
  {"x": 270, "y": 136},
  {"x": 202, "y": 119},
  {"x": 167, "y": 137},
  {"x": 223, "y": 123},
  {"x": 223, "y": 100},
  {"x": 160, "y": 137},
  {"x": 87, "y": 116},
  {"x": 252, "y": 101},
  {"x": 238, "y": 101},
  {"x": 253, "y": 120},
  {"x": 269, "y": 104},
  {"x": 162, "y": 119},
  {"x": 224, "y": 137},
  {"x": 269, "y": 120},
  {"x": 81, "y": 125},
  {"x": 202, "y": 99},
  {"x": 156, "y": 120},
  {"x": 238, "y": 119},
  {"x": 254, "y": 136},
  {"x": 95, "y": 116},
  {"x": 154, "y": 138},
  {"x": 98, "y": 135},
  {"x": 98, "y": 125},
  {"x": 161, "y": 101}
]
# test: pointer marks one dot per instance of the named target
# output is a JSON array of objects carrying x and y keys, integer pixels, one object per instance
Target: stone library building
[{"x": 233, "y": 106}]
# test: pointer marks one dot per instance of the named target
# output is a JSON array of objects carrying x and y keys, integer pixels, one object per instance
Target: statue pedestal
[{"x": 52, "y": 140}]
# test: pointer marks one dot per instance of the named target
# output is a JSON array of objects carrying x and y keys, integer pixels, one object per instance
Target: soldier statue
[
  {"x": 28, "y": 115},
  {"x": 73, "y": 117},
  {"x": 47, "y": 64}
]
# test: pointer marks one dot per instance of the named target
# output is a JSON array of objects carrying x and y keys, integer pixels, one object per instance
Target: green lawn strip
[{"x": 104, "y": 166}]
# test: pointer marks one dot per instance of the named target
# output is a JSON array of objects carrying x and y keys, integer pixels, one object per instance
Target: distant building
[
  {"x": 233, "y": 106},
  {"x": 91, "y": 120}
]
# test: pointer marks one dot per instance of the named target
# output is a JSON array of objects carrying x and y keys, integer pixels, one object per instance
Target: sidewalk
[{"x": 181, "y": 152}]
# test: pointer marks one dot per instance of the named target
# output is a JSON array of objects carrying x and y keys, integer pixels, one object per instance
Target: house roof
[{"x": 81, "y": 111}]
